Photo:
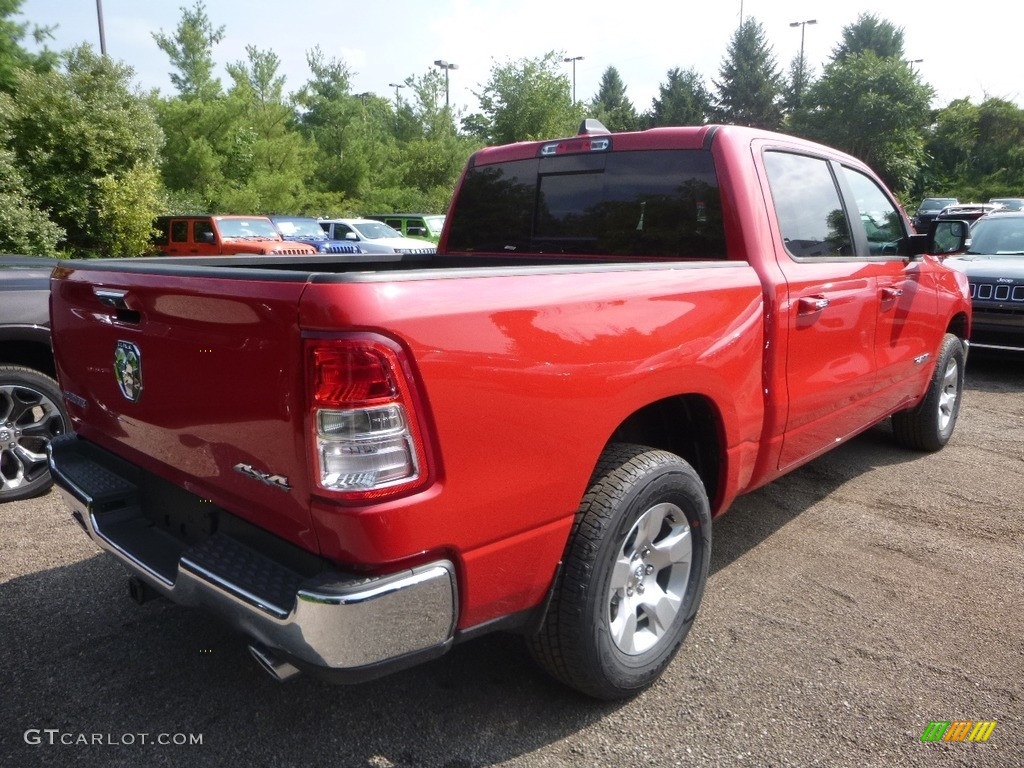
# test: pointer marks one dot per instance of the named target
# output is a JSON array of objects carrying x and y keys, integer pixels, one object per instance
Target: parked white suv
[{"x": 374, "y": 236}]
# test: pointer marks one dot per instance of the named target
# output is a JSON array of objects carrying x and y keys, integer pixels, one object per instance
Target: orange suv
[{"x": 204, "y": 235}]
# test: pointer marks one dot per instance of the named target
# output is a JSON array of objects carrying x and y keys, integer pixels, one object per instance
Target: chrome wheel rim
[
  {"x": 29, "y": 420},
  {"x": 649, "y": 579},
  {"x": 949, "y": 394}
]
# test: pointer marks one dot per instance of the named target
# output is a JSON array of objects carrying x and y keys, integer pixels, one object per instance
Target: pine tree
[
  {"x": 611, "y": 106},
  {"x": 750, "y": 89}
]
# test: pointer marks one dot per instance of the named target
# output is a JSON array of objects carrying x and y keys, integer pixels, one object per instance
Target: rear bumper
[{"x": 345, "y": 626}]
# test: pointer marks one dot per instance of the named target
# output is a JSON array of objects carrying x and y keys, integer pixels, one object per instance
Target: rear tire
[
  {"x": 929, "y": 425},
  {"x": 31, "y": 415},
  {"x": 632, "y": 575}
]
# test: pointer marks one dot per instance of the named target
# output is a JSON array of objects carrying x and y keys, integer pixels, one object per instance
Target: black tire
[
  {"x": 929, "y": 425},
  {"x": 620, "y": 609},
  {"x": 31, "y": 414}
]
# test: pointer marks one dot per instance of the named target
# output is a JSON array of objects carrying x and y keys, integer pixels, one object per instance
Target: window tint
[
  {"x": 630, "y": 204},
  {"x": 881, "y": 219},
  {"x": 179, "y": 231},
  {"x": 807, "y": 204},
  {"x": 201, "y": 229}
]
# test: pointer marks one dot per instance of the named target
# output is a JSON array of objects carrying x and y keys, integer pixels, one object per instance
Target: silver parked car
[{"x": 374, "y": 236}]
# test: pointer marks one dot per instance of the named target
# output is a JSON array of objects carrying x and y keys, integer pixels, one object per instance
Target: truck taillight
[{"x": 363, "y": 413}]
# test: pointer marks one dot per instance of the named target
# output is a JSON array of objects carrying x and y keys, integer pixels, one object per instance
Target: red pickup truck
[{"x": 358, "y": 465}]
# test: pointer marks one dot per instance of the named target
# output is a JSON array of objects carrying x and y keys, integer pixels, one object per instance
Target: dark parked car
[
  {"x": 994, "y": 265},
  {"x": 31, "y": 407},
  {"x": 928, "y": 210}
]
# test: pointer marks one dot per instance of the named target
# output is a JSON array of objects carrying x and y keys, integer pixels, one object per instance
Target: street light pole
[
  {"x": 445, "y": 66},
  {"x": 396, "y": 86},
  {"x": 803, "y": 29},
  {"x": 99, "y": 18},
  {"x": 912, "y": 62},
  {"x": 573, "y": 59}
]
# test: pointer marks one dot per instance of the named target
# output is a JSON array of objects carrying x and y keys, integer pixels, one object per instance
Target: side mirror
[
  {"x": 206, "y": 237},
  {"x": 416, "y": 231},
  {"x": 351, "y": 236},
  {"x": 948, "y": 237}
]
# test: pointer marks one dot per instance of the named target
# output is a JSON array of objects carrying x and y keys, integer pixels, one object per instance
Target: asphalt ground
[{"x": 851, "y": 603}]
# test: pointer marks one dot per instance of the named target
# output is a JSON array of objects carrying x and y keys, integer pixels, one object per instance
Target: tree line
[{"x": 87, "y": 161}]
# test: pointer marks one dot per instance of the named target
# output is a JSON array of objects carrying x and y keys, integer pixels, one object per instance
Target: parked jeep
[
  {"x": 206, "y": 235},
  {"x": 421, "y": 226},
  {"x": 31, "y": 408},
  {"x": 305, "y": 229}
]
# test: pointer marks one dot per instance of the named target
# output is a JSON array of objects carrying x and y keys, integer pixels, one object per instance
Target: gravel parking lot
[{"x": 851, "y": 603}]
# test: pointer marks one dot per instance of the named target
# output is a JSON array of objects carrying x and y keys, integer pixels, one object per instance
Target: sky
[{"x": 961, "y": 55}]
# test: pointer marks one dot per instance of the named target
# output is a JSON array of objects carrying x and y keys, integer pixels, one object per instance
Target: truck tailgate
[{"x": 201, "y": 386}]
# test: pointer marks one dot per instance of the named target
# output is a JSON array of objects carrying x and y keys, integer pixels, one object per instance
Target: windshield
[
  {"x": 1009, "y": 203},
  {"x": 435, "y": 224},
  {"x": 657, "y": 203},
  {"x": 374, "y": 230},
  {"x": 300, "y": 227},
  {"x": 998, "y": 236},
  {"x": 254, "y": 227},
  {"x": 937, "y": 203}
]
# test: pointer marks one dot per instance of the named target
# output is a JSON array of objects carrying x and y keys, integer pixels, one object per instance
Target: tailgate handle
[
  {"x": 115, "y": 299},
  {"x": 111, "y": 298}
]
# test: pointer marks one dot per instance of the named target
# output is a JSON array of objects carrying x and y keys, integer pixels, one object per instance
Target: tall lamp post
[
  {"x": 573, "y": 59},
  {"x": 803, "y": 29},
  {"x": 445, "y": 66},
  {"x": 396, "y": 86},
  {"x": 99, "y": 18}
]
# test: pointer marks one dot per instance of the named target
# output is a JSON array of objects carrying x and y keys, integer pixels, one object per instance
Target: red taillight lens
[
  {"x": 351, "y": 375},
  {"x": 367, "y": 439}
]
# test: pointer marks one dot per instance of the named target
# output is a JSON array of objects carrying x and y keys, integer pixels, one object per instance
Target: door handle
[
  {"x": 888, "y": 294},
  {"x": 808, "y": 305}
]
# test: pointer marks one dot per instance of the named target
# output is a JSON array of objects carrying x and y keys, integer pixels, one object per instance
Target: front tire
[
  {"x": 632, "y": 575},
  {"x": 929, "y": 425},
  {"x": 31, "y": 415}
]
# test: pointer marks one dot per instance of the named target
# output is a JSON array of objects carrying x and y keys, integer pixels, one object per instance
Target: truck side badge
[
  {"x": 274, "y": 481},
  {"x": 128, "y": 370}
]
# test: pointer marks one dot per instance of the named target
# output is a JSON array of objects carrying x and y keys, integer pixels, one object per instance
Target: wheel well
[
  {"x": 29, "y": 354},
  {"x": 688, "y": 426},
  {"x": 958, "y": 326}
]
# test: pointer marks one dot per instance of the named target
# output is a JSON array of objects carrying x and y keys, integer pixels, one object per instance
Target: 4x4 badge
[{"x": 128, "y": 370}]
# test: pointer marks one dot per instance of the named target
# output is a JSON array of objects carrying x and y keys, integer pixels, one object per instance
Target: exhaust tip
[{"x": 272, "y": 664}]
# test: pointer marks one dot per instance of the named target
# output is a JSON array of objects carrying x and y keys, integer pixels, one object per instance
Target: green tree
[
  {"x": 682, "y": 100},
  {"x": 749, "y": 91},
  {"x": 23, "y": 227},
  {"x": 800, "y": 78},
  {"x": 873, "y": 108},
  {"x": 69, "y": 129},
  {"x": 13, "y": 56},
  {"x": 975, "y": 151},
  {"x": 610, "y": 104},
  {"x": 352, "y": 134},
  {"x": 190, "y": 50},
  {"x": 869, "y": 33},
  {"x": 528, "y": 99},
  {"x": 269, "y": 161}
]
